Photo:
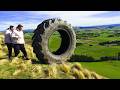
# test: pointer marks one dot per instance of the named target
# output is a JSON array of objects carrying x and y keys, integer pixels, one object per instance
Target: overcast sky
[{"x": 30, "y": 19}]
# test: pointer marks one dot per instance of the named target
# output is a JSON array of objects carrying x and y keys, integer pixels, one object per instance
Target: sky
[{"x": 30, "y": 19}]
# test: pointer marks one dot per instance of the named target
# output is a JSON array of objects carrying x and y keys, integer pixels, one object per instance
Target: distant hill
[
  {"x": 111, "y": 26},
  {"x": 25, "y": 30},
  {"x": 28, "y": 30},
  {"x": 102, "y": 27}
]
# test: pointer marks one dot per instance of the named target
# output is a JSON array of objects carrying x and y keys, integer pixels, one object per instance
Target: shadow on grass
[
  {"x": 34, "y": 61},
  {"x": 3, "y": 58},
  {"x": 85, "y": 58},
  {"x": 82, "y": 58}
]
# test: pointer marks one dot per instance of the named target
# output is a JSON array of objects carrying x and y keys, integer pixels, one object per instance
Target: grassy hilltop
[
  {"x": 32, "y": 69},
  {"x": 90, "y": 56}
]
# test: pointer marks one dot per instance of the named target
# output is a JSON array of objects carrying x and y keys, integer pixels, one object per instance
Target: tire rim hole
[{"x": 59, "y": 42}]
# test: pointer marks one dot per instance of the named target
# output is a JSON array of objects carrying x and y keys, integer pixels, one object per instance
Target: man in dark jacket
[{"x": 8, "y": 40}]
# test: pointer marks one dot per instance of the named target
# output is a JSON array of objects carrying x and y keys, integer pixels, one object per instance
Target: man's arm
[{"x": 14, "y": 35}]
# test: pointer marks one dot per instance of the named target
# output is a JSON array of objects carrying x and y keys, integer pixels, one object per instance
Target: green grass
[
  {"x": 108, "y": 69},
  {"x": 54, "y": 42},
  {"x": 97, "y": 51},
  {"x": 19, "y": 69}
]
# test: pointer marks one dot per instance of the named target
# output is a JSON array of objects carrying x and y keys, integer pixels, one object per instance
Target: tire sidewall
[{"x": 45, "y": 39}]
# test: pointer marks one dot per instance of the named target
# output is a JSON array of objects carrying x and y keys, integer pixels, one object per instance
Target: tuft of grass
[
  {"x": 77, "y": 66},
  {"x": 22, "y": 67},
  {"x": 29, "y": 50},
  {"x": 0, "y": 47},
  {"x": 5, "y": 74},
  {"x": 51, "y": 71},
  {"x": 37, "y": 71},
  {"x": 4, "y": 61},
  {"x": 96, "y": 76},
  {"x": 87, "y": 74},
  {"x": 16, "y": 61},
  {"x": 2, "y": 54},
  {"x": 4, "y": 49},
  {"x": 64, "y": 67},
  {"x": 77, "y": 74},
  {"x": 17, "y": 72}
]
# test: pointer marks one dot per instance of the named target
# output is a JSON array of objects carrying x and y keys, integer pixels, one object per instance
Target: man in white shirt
[
  {"x": 18, "y": 40},
  {"x": 8, "y": 40}
]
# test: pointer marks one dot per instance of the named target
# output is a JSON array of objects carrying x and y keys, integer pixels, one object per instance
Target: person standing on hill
[
  {"x": 18, "y": 40},
  {"x": 8, "y": 40}
]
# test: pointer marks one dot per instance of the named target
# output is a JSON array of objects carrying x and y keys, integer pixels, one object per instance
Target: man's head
[
  {"x": 19, "y": 27},
  {"x": 11, "y": 27}
]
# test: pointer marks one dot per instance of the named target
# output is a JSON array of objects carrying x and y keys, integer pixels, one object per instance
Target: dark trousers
[
  {"x": 9, "y": 46},
  {"x": 18, "y": 48}
]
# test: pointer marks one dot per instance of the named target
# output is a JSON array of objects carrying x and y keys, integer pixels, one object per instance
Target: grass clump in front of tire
[
  {"x": 77, "y": 74},
  {"x": 51, "y": 71}
]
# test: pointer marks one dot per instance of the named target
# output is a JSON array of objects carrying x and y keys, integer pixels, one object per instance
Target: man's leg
[
  {"x": 16, "y": 49},
  {"x": 9, "y": 46},
  {"x": 22, "y": 48}
]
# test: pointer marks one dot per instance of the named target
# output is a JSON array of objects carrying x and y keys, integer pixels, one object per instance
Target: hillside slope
[{"x": 20, "y": 69}]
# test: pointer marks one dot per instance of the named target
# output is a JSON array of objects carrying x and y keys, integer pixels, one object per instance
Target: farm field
[{"x": 103, "y": 59}]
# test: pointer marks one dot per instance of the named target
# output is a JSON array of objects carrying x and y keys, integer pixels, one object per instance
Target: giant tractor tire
[{"x": 42, "y": 34}]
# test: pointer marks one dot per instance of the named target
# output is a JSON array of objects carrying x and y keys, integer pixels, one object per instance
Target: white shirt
[
  {"x": 7, "y": 35},
  {"x": 18, "y": 37}
]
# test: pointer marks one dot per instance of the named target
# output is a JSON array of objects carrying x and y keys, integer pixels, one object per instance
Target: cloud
[
  {"x": 83, "y": 18},
  {"x": 66, "y": 13},
  {"x": 108, "y": 14},
  {"x": 30, "y": 19},
  {"x": 27, "y": 25}
]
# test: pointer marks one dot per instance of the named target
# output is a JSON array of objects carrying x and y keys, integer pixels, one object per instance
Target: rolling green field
[
  {"x": 108, "y": 69},
  {"x": 88, "y": 52},
  {"x": 90, "y": 48}
]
